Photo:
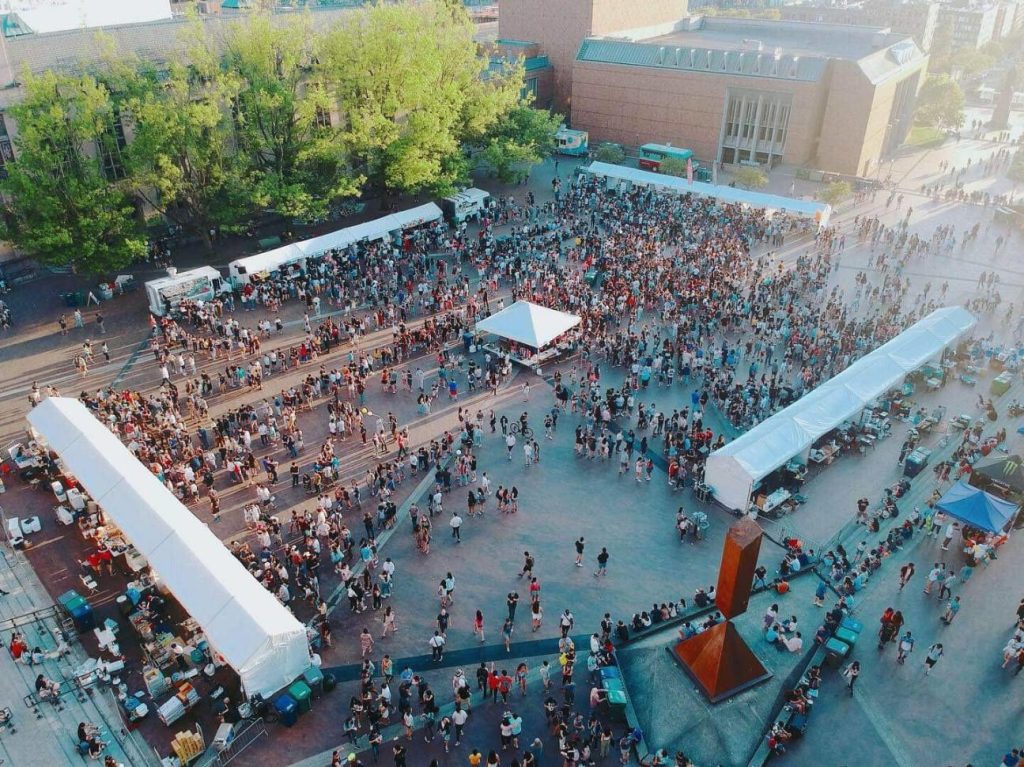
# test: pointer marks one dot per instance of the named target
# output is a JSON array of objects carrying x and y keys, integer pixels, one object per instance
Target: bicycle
[{"x": 525, "y": 431}]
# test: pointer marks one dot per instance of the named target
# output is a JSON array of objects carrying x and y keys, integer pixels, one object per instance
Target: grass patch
[{"x": 924, "y": 136}]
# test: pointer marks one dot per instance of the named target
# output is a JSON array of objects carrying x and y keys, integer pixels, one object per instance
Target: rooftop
[
  {"x": 799, "y": 38},
  {"x": 788, "y": 50}
]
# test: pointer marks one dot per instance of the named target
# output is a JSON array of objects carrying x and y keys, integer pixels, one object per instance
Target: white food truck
[
  {"x": 200, "y": 284},
  {"x": 469, "y": 203}
]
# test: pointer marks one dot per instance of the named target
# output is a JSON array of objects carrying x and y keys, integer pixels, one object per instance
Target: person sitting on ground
[
  {"x": 793, "y": 643},
  {"x": 47, "y": 689}
]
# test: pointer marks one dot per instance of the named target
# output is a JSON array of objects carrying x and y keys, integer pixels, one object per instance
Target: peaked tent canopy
[
  {"x": 529, "y": 324},
  {"x": 256, "y": 635},
  {"x": 1008, "y": 471},
  {"x": 734, "y": 469},
  {"x": 974, "y": 507}
]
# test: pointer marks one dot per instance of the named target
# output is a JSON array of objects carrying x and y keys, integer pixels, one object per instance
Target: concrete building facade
[
  {"x": 736, "y": 91},
  {"x": 972, "y": 25}
]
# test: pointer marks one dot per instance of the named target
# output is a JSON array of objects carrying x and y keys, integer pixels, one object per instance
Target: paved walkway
[{"x": 49, "y": 736}]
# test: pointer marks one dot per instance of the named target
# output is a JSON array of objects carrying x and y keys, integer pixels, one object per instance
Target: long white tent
[
  {"x": 733, "y": 470},
  {"x": 257, "y": 636},
  {"x": 296, "y": 252},
  {"x": 529, "y": 324},
  {"x": 819, "y": 211}
]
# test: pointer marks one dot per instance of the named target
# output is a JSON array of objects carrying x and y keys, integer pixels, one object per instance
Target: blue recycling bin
[
  {"x": 852, "y": 624},
  {"x": 610, "y": 672},
  {"x": 84, "y": 618},
  {"x": 314, "y": 677},
  {"x": 287, "y": 709}
]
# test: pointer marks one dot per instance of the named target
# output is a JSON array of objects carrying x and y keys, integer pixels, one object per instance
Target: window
[
  {"x": 529, "y": 89},
  {"x": 322, "y": 118},
  {"x": 110, "y": 146},
  {"x": 6, "y": 149}
]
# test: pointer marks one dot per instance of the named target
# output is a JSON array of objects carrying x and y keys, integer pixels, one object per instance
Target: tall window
[
  {"x": 322, "y": 118},
  {"x": 110, "y": 147},
  {"x": 6, "y": 149}
]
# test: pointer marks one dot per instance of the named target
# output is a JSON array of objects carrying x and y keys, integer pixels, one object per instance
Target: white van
[{"x": 467, "y": 204}]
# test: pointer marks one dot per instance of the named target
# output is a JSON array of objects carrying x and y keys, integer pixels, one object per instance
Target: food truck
[{"x": 201, "y": 284}]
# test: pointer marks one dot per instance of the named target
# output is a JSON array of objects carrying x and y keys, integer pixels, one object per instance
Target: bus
[
  {"x": 572, "y": 142},
  {"x": 651, "y": 155}
]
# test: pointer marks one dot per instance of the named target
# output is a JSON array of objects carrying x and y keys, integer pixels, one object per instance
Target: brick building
[{"x": 838, "y": 97}]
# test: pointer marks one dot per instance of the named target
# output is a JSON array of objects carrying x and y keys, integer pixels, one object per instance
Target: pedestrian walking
[
  {"x": 579, "y": 554},
  {"x": 602, "y": 563},
  {"x": 932, "y": 657},
  {"x": 456, "y": 524},
  {"x": 906, "y": 573},
  {"x": 850, "y": 673},
  {"x": 904, "y": 648},
  {"x": 952, "y": 608}
]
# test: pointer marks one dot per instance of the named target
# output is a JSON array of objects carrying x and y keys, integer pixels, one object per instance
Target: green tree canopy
[
  {"x": 67, "y": 202},
  {"x": 835, "y": 192},
  {"x": 672, "y": 166},
  {"x": 940, "y": 103},
  {"x": 750, "y": 178},
  {"x": 282, "y": 113},
  {"x": 611, "y": 153},
  {"x": 521, "y": 139},
  {"x": 409, "y": 80}
]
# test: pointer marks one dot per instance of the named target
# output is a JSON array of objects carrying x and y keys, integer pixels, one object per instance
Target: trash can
[
  {"x": 104, "y": 291},
  {"x": 329, "y": 682},
  {"x": 835, "y": 651},
  {"x": 613, "y": 685},
  {"x": 314, "y": 677},
  {"x": 852, "y": 624},
  {"x": 67, "y": 598},
  {"x": 1001, "y": 384},
  {"x": 845, "y": 635},
  {"x": 915, "y": 462},
  {"x": 83, "y": 617},
  {"x": 287, "y": 710},
  {"x": 300, "y": 693},
  {"x": 610, "y": 672},
  {"x": 617, "y": 703}
]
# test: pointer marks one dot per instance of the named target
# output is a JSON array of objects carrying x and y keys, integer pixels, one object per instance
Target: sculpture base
[{"x": 720, "y": 662}]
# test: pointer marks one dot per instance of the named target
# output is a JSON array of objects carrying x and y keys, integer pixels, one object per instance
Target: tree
[
  {"x": 836, "y": 192},
  {"x": 67, "y": 201},
  {"x": 610, "y": 153},
  {"x": 941, "y": 51},
  {"x": 182, "y": 153},
  {"x": 672, "y": 166},
  {"x": 972, "y": 61},
  {"x": 408, "y": 79},
  {"x": 282, "y": 114},
  {"x": 521, "y": 139},
  {"x": 750, "y": 178},
  {"x": 940, "y": 103}
]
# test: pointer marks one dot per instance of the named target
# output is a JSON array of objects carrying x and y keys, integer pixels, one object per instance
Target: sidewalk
[{"x": 49, "y": 737}]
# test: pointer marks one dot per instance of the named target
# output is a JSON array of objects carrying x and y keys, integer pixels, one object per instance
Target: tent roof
[
  {"x": 1009, "y": 470},
  {"x": 243, "y": 621},
  {"x": 377, "y": 229},
  {"x": 529, "y": 324},
  {"x": 727, "y": 194},
  {"x": 975, "y": 507},
  {"x": 794, "y": 429}
]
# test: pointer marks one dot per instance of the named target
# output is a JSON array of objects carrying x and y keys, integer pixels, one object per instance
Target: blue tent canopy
[{"x": 976, "y": 508}]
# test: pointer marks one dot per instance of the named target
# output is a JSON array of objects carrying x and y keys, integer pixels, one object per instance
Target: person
[
  {"x": 602, "y": 563},
  {"x": 952, "y": 608},
  {"x": 579, "y": 551},
  {"x": 456, "y": 524},
  {"x": 905, "y": 647},
  {"x": 459, "y": 717},
  {"x": 437, "y": 647},
  {"x": 506, "y": 634},
  {"x": 851, "y": 673},
  {"x": 932, "y": 657}
]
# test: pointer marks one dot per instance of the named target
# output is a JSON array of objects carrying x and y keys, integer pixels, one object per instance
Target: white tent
[
  {"x": 819, "y": 211},
  {"x": 734, "y": 470},
  {"x": 529, "y": 324},
  {"x": 256, "y": 635},
  {"x": 377, "y": 229}
]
